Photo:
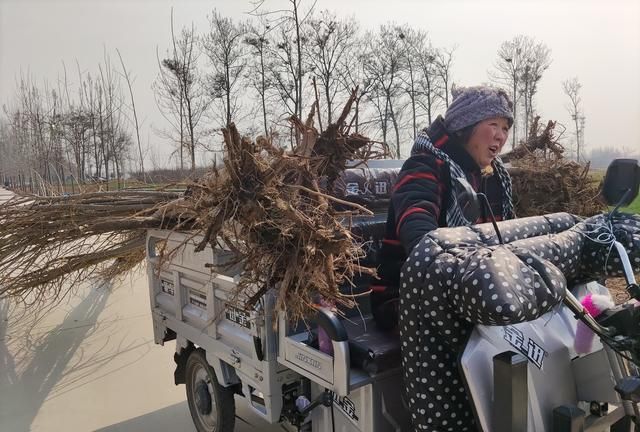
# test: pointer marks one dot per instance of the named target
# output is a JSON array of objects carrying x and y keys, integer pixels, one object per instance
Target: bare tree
[
  {"x": 37, "y": 130},
  {"x": 195, "y": 99},
  {"x": 512, "y": 57},
  {"x": 53, "y": 134},
  {"x": 571, "y": 88},
  {"x": 135, "y": 114},
  {"x": 180, "y": 95},
  {"x": 286, "y": 77},
  {"x": 290, "y": 37},
  {"x": 330, "y": 40},
  {"x": 538, "y": 60},
  {"x": 223, "y": 44},
  {"x": 169, "y": 96},
  {"x": 7, "y": 149},
  {"x": 30, "y": 124},
  {"x": 520, "y": 65},
  {"x": 444, "y": 63},
  {"x": 169, "y": 92},
  {"x": 111, "y": 103},
  {"x": 413, "y": 42},
  {"x": 91, "y": 90},
  {"x": 98, "y": 111},
  {"x": 352, "y": 74},
  {"x": 67, "y": 106},
  {"x": 425, "y": 57},
  {"x": 14, "y": 162},
  {"x": 77, "y": 126},
  {"x": 259, "y": 65},
  {"x": 384, "y": 69},
  {"x": 293, "y": 22}
]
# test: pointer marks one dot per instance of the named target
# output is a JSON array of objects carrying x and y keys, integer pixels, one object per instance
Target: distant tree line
[
  {"x": 67, "y": 134},
  {"x": 261, "y": 71},
  {"x": 258, "y": 73}
]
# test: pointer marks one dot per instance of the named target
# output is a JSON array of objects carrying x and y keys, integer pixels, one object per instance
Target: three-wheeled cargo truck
[{"x": 280, "y": 372}]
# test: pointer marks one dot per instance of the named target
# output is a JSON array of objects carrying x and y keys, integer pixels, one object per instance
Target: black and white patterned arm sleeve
[
  {"x": 496, "y": 285},
  {"x": 504, "y": 285}
]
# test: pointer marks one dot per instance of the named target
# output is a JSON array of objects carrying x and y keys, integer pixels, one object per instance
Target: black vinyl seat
[{"x": 371, "y": 349}]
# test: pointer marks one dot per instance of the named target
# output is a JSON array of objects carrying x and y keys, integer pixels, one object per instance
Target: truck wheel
[{"x": 212, "y": 406}]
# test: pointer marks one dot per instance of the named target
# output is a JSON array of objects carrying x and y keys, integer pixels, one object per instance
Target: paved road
[{"x": 90, "y": 364}]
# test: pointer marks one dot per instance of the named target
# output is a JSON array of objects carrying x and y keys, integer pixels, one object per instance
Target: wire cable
[{"x": 600, "y": 232}]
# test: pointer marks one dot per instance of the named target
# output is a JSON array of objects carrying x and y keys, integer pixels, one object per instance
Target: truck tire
[{"x": 212, "y": 406}]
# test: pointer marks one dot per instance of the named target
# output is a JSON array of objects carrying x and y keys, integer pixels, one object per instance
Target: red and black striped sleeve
[{"x": 418, "y": 198}]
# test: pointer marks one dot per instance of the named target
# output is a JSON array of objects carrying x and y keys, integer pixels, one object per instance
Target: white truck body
[{"x": 269, "y": 362}]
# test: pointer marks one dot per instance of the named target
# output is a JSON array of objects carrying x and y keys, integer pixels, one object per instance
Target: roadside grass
[{"x": 634, "y": 207}]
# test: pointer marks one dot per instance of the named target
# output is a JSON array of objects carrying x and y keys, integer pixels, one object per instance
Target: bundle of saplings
[{"x": 271, "y": 207}]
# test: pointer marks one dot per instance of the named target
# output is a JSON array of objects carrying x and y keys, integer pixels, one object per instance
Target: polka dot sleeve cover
[{"x": 458, "y": 277}]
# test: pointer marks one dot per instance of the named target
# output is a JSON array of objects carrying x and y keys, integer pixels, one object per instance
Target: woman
[{"x": 466, "y": 142}]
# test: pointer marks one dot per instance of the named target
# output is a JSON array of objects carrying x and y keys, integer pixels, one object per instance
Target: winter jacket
[{"x": 420, "y": 197}]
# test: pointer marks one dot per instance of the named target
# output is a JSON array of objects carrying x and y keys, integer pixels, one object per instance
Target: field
[
  {"x": 634, "y": 207},
  {"x": 598, "y": 175}
]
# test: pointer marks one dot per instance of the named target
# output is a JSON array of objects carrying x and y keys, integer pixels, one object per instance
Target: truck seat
[{"x": 371, "y": 349}]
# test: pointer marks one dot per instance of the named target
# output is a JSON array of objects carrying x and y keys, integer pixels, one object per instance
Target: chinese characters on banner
[{"x": 380, "y": 187}]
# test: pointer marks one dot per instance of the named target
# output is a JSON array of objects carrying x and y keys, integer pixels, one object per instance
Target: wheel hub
[{"x": 202, "y": 398}]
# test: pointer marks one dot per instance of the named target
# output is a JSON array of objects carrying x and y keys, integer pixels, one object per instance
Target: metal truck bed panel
[
  {"x": 185, "y": 289},
  {"x": 191, "y": 300},
  {"x": 250, "y": 348}
]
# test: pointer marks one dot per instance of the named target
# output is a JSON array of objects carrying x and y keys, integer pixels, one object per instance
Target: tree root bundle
[
  {"x": 271, "y": 208},
  {"x": 542, "y": 142},
  {"x": 274, "y": 211},
  {"x": 546, "y": 182},
  {"x": 544, "y": 186}
]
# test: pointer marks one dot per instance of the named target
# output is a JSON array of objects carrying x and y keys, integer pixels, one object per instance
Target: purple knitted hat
[{"x": 473, "y": 104}]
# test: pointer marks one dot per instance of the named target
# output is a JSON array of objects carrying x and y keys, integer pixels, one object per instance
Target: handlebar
[
  {"x": 579, "y": 311},
  {"x": 632, "y": 286},
  {"x": 581, "y": 314}
]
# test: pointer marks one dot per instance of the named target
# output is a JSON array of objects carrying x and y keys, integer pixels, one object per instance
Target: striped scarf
[{"x": 454, "y": 212}]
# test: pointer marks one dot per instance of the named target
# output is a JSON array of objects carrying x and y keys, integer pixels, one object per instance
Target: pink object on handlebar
[{"x": 594, "y": 304}]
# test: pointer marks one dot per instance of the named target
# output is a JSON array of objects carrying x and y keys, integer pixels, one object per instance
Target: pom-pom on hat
[{"x": 471, "y": 105}]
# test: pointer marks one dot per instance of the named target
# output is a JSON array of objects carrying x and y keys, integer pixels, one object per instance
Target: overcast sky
[{"x": 597, "y": 41}]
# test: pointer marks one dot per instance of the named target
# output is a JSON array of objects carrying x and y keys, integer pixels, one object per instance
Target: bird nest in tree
[{"x": 270, "y": 207}]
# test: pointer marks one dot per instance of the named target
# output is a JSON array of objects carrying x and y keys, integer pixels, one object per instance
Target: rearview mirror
[
  {"x": 621, "y": 182},
  {"x": 467, "y": 199}
]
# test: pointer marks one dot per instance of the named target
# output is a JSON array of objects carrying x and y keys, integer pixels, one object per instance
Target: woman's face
[{"x": 487, "y": 139}]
